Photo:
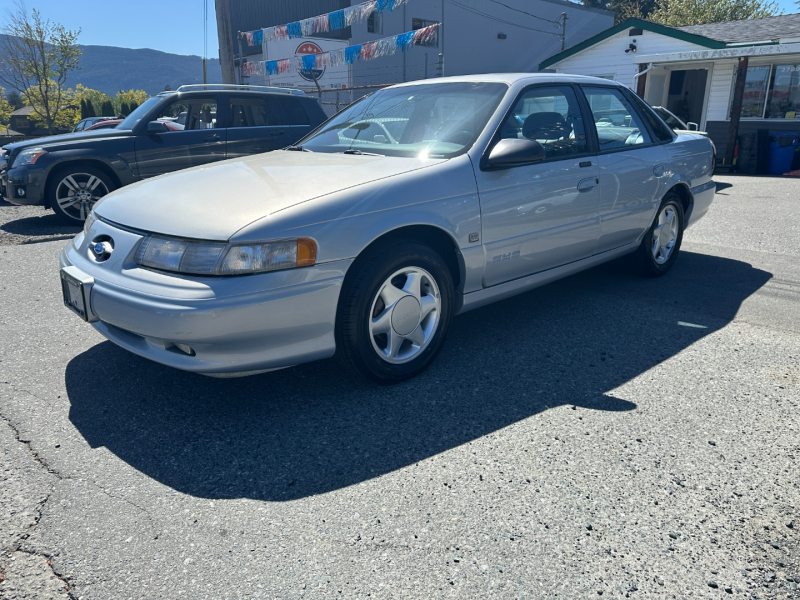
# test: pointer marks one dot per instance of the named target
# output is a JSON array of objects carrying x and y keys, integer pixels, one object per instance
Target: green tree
[
  {"x": 131, "y": 98},
  {"x": 107, "y": 109},
  {"x": 84, "y": 109},
  {"x": 678, "y": 13},
  {"x": 624, "y": 9},
  {"x": 36, "y": 57},
  {"x": 14, "y": 99},
  {"x": 5, "y": 109}
]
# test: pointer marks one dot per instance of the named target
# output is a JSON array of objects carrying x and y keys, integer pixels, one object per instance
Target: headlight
[
  {"x": 28, "y": 156},
  {"x": 210, "y": 258},
  {"x": 87, "y": 224}
]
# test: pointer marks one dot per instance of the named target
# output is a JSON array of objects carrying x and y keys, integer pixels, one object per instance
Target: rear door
[
  {"x": 264, "y": 122},
  {"x": 632, "y": 167},
  {"x": 196, "y": 140}
]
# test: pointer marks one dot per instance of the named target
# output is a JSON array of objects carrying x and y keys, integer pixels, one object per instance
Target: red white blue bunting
[
  {"x": 368, "y": 51},
  {"x": 323, "y": 23}
]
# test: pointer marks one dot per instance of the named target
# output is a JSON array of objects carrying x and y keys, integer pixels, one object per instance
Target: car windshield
[
  {"x": 132, "y": 119},
  {"x": 439, "y": 120}
]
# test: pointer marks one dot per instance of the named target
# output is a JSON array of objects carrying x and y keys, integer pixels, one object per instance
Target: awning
[{"x": 722, "y": 53}]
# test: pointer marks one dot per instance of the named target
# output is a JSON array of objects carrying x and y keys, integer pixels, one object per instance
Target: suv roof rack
[{"x": 232, "y": 86}]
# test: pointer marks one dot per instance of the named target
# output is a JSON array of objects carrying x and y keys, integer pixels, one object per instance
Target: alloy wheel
[
  {"x": 77, "y": 193},
  {"x": 665, "y": 234},
  {"x": 405, "y": 314}
]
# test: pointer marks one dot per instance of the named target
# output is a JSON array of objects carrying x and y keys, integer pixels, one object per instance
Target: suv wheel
[{"x": 75, "y": 190}]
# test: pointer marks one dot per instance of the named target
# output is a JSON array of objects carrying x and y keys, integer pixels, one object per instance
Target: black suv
[{"x": 192, "y": 126}]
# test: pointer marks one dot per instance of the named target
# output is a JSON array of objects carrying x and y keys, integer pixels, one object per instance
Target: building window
[
  {"x": 784, "y": 93},
  {"x": 419, "y": 24},
  {"x": 375, "y": 22},
  {"x": 771, "y": 92}
]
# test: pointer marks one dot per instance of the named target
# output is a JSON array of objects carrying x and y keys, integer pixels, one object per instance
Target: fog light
[{"x": 21, "y": 192}]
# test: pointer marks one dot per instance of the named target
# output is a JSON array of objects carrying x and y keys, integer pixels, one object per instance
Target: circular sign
[{"x": 310, "y": 48}]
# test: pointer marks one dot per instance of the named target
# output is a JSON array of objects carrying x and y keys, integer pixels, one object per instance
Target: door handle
[
  {"x": 586, "y": 163},
  {"x": 658, "y": 170},
  {"x": 587, "y": 184},
  {"x": 277, "y": 133},
  {"x": 212, "y": 138}
]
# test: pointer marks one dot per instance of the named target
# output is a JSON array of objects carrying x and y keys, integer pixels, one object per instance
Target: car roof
[{"x": 513, "y": 78}]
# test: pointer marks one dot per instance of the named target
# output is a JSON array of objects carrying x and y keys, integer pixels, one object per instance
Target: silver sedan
[{"x": 417, "y": 203}]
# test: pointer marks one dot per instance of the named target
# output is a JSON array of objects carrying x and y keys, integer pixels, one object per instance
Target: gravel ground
[{"x": 602, "y": 436}]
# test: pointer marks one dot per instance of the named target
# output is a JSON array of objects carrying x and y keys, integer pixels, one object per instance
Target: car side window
[
  {"x": 292, "y": 109},
  {"x": 618, "y": 124},
  {"x": 552, "y": 117},
  {"x": 659, "y": 127},
  {"x": 190, "y": 114},
  {"x": 255, "y": 112}
]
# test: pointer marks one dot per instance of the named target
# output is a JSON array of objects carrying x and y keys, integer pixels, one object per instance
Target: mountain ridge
[{"x": 110, "y": 69}]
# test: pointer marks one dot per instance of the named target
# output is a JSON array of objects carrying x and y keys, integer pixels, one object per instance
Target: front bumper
[
  {"x": 213, "y": 326},
  {"x": 23, "y": 185}
]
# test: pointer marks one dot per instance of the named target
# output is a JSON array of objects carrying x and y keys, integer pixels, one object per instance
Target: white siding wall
[
  {"x": 609, "y": 56},
  {"x": 720, "y": 94}
]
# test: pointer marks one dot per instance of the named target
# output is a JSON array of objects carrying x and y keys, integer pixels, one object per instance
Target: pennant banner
[
  {"x": 368, "y": 51},
  {"x": 323, "y": 23}
]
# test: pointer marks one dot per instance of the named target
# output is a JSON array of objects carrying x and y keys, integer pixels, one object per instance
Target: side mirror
[
  {"x": 692, "y": 126},
  {"x": 514, "y": 152},
  {"x": 157, "y": 127}
]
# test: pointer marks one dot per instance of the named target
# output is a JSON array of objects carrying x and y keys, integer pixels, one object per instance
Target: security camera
[{"x": 631, "y": 48}]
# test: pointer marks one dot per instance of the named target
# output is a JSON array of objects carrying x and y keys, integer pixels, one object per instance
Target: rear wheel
[
  {"x": 662, "y": 242},
  {"x": 394, "y": 312},
  {"x": 73, "y": 192}
]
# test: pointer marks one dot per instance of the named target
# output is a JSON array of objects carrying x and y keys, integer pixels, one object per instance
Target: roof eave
[{"x": 627, "y": 24}]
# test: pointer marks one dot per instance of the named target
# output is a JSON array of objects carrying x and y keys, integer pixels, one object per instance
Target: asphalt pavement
[{"x": 605, "y": 435}]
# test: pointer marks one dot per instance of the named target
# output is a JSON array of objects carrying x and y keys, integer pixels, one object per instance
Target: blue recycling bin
[{"x": 782, "y": 147}]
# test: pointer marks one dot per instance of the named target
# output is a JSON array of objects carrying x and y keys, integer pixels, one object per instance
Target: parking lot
[{"x": 604, "y": 435}]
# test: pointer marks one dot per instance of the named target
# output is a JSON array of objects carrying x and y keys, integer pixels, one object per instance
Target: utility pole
[
  {"x": 205, "y": 39},
  {"x": 563, "y": 30},
  {"x": 223, "y": 10},
  {"x": 441, "y": 35}
]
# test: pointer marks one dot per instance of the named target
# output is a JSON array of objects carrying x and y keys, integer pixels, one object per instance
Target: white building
[{"x": 701, "y": 72}]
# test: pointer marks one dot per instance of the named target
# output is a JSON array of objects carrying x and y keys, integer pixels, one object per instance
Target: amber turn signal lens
[{"x": 306, "y": 252}]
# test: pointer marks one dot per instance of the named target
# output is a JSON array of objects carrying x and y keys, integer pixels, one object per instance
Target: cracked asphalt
[{"x": 603, "y": 436}]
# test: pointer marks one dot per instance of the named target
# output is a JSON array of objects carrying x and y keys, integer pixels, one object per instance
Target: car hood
[
  {"x": 216, "y": 201},
  {"x": 66, "y": 138}
]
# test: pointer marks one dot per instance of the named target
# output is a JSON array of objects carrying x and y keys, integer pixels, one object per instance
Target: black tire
[
  {"x": 356, "y": 347},
  {"x": 650, "y": 261},
  {"x": 65, "y": 179}
]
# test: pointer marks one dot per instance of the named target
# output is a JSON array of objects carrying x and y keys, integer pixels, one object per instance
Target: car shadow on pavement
[
  {"x": 312, "y": 429},
  {"x": 46, "y": 228}
]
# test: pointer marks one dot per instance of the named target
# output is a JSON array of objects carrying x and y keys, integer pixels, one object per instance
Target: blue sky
[{"x": 170, "y": 25}]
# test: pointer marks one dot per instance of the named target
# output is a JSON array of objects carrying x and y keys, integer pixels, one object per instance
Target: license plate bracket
[{"x": 76, "y": 290}]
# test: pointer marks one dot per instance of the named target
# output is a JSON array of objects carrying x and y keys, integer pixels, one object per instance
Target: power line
[
  {"x": 492, "y": 18},
  {"x": 526, "y": 13}
]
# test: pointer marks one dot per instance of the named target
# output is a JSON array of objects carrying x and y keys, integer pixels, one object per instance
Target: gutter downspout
[{"x": 636, "y": 81}]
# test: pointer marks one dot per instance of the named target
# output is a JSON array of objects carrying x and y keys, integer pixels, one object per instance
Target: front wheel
[
  {"x": 75, "y": 190},
  {"x": 662, "y": 242},
  {"x": 395, "y": 312}
]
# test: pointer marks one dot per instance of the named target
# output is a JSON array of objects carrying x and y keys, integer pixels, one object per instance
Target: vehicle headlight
[
  {"x": 28, "y": 156},
  {"x": 87, "y": 224},
  {"x": 211, "y": 258}
]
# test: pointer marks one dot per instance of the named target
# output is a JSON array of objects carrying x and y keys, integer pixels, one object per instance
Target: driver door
[
  {"x": 193, "y": 140},
  {"x": 540, "y": 216}
]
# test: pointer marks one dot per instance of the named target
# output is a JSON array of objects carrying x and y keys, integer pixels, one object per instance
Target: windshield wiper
[
  {"x": 360, "y": 153},
  {"x": 297, "y": 149}
]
